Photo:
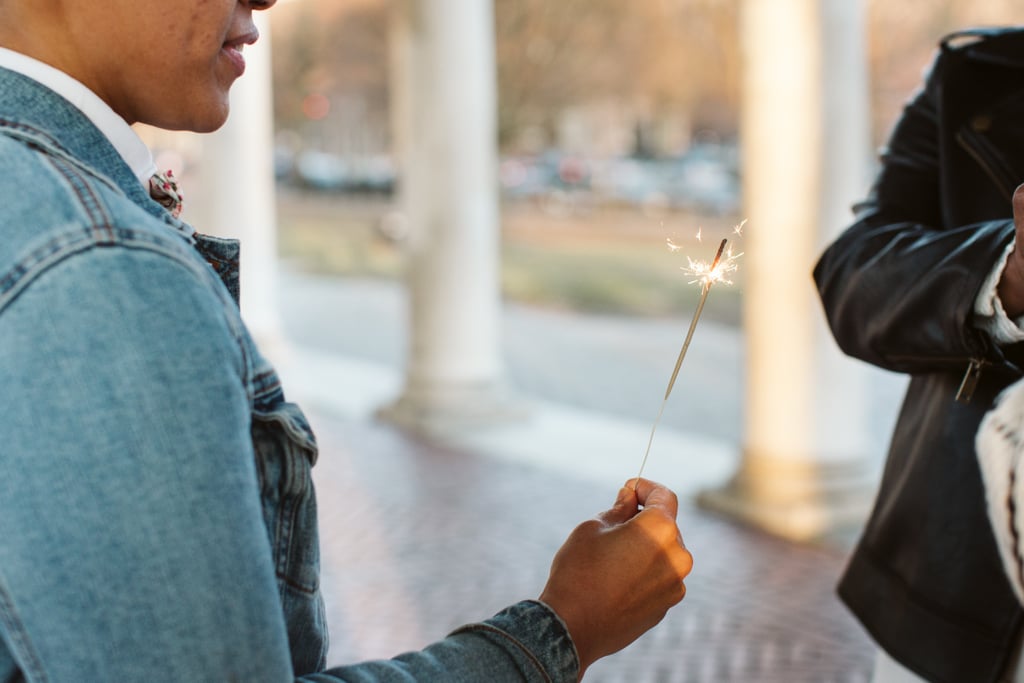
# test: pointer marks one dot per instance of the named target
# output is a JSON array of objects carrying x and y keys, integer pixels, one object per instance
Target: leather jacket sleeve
[
  {"x": 899, "y": 288},
  {"x": 899, "y": 285}
]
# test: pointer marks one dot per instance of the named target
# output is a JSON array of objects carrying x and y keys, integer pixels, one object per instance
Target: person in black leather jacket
[{"x": 927, "y": 282}]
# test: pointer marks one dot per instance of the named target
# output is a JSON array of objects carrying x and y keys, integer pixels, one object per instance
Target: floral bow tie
[{"x": 163, "y": 188}]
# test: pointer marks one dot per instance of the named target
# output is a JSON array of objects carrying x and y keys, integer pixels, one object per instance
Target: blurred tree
[
  {"x": 336, "y": 50},
  {"x": 663, "y": 58},
  {"x": 659, "y": 63}
]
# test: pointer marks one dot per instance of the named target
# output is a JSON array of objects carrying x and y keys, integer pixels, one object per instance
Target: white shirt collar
[{"x": 125, "y": 140}]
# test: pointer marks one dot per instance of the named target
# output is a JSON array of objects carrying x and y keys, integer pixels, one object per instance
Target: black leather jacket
[{"x": 899, "y": 288}]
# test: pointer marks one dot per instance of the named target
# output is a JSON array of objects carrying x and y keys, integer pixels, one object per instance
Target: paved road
[{"x": 610, "y": 364}]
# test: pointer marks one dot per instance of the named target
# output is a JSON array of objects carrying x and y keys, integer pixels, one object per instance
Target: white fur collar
[{"x": 1000, "y": 446}]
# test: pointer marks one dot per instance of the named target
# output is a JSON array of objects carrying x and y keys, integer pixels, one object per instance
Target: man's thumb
[{"x": 625, "y": 507}]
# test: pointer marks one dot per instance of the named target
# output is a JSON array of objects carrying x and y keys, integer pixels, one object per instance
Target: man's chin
[
  {"x": 196, "y": 119},
  {"x": 210, "y": 121}
]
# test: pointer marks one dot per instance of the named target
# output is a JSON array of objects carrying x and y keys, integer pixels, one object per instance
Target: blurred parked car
[
  {"x": 524, "y": 178},
  {"x": 322, "y": 171},
  {"x": 703, "y": 183},
  {"x": 630, "y": 181},
  {"x": 704, "y": 179},
  {"x": 329, "y": 172}
]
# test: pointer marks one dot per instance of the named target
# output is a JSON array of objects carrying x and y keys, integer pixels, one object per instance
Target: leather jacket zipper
[{"x": 970, "y": 381}]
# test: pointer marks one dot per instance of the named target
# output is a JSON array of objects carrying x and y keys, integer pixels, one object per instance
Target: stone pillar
[
  {"x": 445, "y": 92},
  {"x": 235, "y": 191},
  {"x": 805, "y": 470}
]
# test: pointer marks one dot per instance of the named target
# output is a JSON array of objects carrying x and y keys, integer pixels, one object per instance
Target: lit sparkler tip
[
  {"x": 707, "y": 273},
  {"x": 721, "y": 248}
]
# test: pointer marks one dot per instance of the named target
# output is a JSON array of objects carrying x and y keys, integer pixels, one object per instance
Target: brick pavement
[{"x": 420, "y": 538}]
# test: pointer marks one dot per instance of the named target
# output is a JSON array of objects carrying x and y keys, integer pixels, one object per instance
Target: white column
[
  {"x": 236, "y": 190},
  {"x": 445, "y": 87},
  {"x": 805, "y": 468}
]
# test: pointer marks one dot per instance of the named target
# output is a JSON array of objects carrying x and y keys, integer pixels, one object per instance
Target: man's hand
[
  {"x": 1011, "y": 285},
  {"x": 618, "y": 574}
]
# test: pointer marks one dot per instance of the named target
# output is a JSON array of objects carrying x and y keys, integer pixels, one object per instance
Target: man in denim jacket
[{"x": 157, "y": 519}]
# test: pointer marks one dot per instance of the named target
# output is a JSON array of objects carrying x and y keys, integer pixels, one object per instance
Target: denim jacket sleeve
[
  {"x": 525, "y": 642},
  {"x": 132, "y": 545}
]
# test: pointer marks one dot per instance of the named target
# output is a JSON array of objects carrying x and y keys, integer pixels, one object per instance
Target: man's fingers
[
  {"x": 654, "y": 495},
  {"x": 1018, "y": 208}
]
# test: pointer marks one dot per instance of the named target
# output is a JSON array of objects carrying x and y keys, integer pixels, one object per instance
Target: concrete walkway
[{"x": 420, "y": 536}]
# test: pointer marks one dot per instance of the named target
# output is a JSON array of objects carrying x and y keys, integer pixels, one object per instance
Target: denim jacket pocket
[{"x": 285, "y": 453}]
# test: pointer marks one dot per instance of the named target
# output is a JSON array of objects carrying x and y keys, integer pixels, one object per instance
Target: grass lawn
[{"x": 613, "y": 261}]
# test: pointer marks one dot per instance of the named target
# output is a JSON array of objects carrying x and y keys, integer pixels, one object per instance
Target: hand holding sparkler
[{"x": 618, "y": 574}]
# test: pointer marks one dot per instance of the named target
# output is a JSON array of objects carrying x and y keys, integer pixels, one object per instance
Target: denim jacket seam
[
  {"x": 64, "y": 244},
  {"x": 266, "y": 385},
  {"x": 295, "y": 431},
  {"x": 41, "y": 141},
  {"x": 43, "y": 257},
  {"x": 530, "y": 656},
  {"x": 99, "y": 221},
  {"x": 21, "y": 648}
]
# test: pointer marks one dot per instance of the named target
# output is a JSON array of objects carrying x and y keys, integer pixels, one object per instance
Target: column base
[
  {"x": 442, "y": 410},
  {"x": 797, "y": 500}
]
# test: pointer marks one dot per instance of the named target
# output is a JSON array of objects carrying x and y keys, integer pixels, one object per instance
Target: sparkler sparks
[
  {"x": 706, "y": 274},
  {"x": 709, "y": 273}
]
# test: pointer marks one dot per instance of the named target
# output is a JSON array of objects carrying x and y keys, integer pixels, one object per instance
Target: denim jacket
[{"x": 157, "y": 517}]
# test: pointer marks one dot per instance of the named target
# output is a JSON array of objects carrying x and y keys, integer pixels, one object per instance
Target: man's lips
[{"x": 232, "y": 48}]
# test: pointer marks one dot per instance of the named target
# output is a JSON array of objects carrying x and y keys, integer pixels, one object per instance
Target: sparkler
[{"x": 706, "y": 274}]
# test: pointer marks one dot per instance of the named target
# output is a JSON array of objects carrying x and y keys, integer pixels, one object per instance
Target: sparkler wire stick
[{"x": 705, "y": 288}]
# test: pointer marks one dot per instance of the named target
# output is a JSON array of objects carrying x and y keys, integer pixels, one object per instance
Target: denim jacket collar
[{"x": 32, "y": 111}]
